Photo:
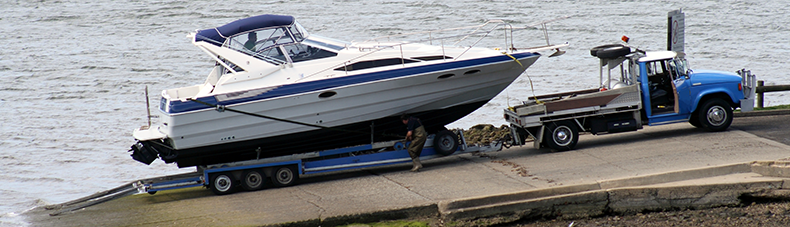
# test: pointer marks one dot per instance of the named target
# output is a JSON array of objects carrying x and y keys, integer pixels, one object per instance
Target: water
[{"x": 72, "y": 73}]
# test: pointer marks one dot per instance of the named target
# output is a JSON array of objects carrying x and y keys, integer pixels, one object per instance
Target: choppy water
[{"x": 72, "y": 73}]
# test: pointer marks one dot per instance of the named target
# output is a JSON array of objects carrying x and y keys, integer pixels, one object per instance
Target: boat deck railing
[{"x": 481, "y": 31}]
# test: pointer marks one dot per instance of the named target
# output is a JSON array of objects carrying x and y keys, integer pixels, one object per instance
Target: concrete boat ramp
[{"x": 663, "y": 167}]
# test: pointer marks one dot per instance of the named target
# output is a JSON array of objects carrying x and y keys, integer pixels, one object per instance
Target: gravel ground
[{"x": 756, "y": 214}]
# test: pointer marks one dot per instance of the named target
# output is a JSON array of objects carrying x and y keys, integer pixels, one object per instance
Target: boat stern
[{"x": 143, "y": 150}]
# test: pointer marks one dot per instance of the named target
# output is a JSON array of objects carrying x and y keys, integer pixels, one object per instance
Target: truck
[{"x": 637, "y": 88}]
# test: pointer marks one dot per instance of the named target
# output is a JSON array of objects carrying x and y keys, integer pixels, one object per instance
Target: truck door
[
  {"x": 681, "y": 84},
  {"x": 661, "y": 88}
]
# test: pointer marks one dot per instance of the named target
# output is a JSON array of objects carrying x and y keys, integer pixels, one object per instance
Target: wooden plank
[{"x": 580, "y": 102}]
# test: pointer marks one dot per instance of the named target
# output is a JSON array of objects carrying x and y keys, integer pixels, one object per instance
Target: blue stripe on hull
[{"x": 290, "y": 89}]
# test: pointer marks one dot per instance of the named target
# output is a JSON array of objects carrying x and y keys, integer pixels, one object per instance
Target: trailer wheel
[
  {"x": 445, "y": 142},
  {"x": 284, "y": 176},
  {"x": 222, "y": 183},
  {"x": 562, "y": 135},
  {"x": 253, "y": 180},
  {"x": 715, "y": 115}
]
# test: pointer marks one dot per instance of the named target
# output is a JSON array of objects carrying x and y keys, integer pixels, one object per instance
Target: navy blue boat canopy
[{"x": 218, "y": 35}]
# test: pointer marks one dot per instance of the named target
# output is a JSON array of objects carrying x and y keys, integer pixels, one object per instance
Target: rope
[
  {"x": 528, "y": 77},
  {"x": 222, "y": 108}
]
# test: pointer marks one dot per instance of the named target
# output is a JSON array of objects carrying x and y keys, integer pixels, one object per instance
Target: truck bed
[{"x": 578, "y": 103}]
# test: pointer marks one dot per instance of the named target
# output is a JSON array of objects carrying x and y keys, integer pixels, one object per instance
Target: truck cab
[{"x": 672, "y": 92}]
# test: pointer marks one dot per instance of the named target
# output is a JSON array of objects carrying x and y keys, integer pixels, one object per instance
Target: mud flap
[{"x": 539, "y": 137}]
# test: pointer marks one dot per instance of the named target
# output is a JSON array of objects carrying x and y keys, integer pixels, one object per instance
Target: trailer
[{"x": 283, "y": 171}]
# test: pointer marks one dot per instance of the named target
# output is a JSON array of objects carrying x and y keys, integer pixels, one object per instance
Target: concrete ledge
[
  {"x": 618, "y": 200},
  {"x": 639, "y": 199},
  {"x": 430, "y": 210},
  {"x": 761, "y": 113},
  {"x": 574, "y": 205},
  {"x": 676, "y": 176},
  {"x": 514, "y": 196},
  {"x": 627, "y": 195},
  {"x": 771, "y": 168}
]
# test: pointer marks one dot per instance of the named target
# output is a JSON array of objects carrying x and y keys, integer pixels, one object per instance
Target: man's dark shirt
[{"x": 413, "y": 124}]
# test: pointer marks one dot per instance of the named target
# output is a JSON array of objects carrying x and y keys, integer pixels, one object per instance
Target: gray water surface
[{"x": 72, "y": 73}]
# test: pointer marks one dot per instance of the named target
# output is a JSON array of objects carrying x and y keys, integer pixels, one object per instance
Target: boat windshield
[
  {"x": 255, "y": 41},
  {"x": 278, "y": 45}
]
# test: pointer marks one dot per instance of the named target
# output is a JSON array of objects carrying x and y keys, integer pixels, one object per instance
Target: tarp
[{"x": 241, "y": 26}]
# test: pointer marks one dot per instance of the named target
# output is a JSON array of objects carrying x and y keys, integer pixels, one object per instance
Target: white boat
[{"x": 269, "y": 65}]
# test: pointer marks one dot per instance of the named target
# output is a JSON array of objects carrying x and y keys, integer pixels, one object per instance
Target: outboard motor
[{"x": 144, "y": 154}]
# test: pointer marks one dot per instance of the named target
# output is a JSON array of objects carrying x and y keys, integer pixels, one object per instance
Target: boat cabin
[{"x": 275, "y": 39}]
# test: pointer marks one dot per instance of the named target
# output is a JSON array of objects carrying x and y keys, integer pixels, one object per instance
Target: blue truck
[{"x": 637, "y": 88}]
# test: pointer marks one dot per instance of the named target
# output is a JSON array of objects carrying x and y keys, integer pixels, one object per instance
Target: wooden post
[{"x": 760, "y": 96}]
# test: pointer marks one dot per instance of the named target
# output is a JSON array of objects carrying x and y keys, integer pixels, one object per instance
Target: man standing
[{"x": 417, "y": 135}]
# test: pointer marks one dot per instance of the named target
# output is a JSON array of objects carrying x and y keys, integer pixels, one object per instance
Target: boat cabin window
[
  {"x": 300, "y": 52},
  {"x": 431, "y": 58},
  {"x": 375, "y": 63}
]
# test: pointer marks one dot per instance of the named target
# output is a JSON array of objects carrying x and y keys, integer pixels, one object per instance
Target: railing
[
  {"x": 483, "y": 31},
  {"x": 761, "y": 89}
]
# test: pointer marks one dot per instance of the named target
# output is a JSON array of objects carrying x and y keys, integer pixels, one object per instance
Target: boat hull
[{"x": 206, "y": 136}]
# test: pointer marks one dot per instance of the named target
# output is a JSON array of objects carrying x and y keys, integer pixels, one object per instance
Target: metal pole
[
  {"x": 147, "y": 106},
  {"x": 760, "y": 94}
]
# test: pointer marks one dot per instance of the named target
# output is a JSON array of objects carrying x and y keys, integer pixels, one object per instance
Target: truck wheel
[
  {"x": 285, "y": 176},
  {"x": 715, "y": 115},
  {"x": 253, "y": 180},
  {"x": 613, "y": 52},
  {"x": 562, "y": 135},
  {"x": 222, "y": 183},
  {"x": 694, "y": 120},
  {"x": 445, "y": 142}
]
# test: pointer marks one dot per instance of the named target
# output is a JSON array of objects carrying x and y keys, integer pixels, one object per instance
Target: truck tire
[
  {"x": 613, "y": 52},
  {"x": 445, "y": 142},
  {"x": 284, "y": 176},
  {"x": 561, "y": 135},
  {"x": 222, "y": 183},
  {"x": 694, "y": 120},
  {"x": 252, "y": 180},
  {"x": 715, "y": 115}
]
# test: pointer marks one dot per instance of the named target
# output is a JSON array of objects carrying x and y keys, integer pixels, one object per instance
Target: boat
[{"x": 313, "y": 93}]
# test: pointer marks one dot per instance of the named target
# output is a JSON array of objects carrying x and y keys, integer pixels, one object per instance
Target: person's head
[
  {"x": 404, "y": 118},
  {"x": 252, "y": 36}
]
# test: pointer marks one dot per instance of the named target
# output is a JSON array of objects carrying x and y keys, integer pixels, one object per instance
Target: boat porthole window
[
  {"x": 445, "y": 76},
  {"x": 470, "y": 72},
  {"x": 327, "y": 94}
]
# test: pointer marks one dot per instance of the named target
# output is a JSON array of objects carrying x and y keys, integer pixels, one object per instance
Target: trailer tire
[
  {"x": 445, "y": 142},
  {"x": 613, "y": 52},
  {"x": 222, "y": 183},
  {"x": 561, "y": 135},
  {"x": 252, "y": 180},
  {"x": 284, "y": 176},
  {"x": 715, "y": 115}
]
